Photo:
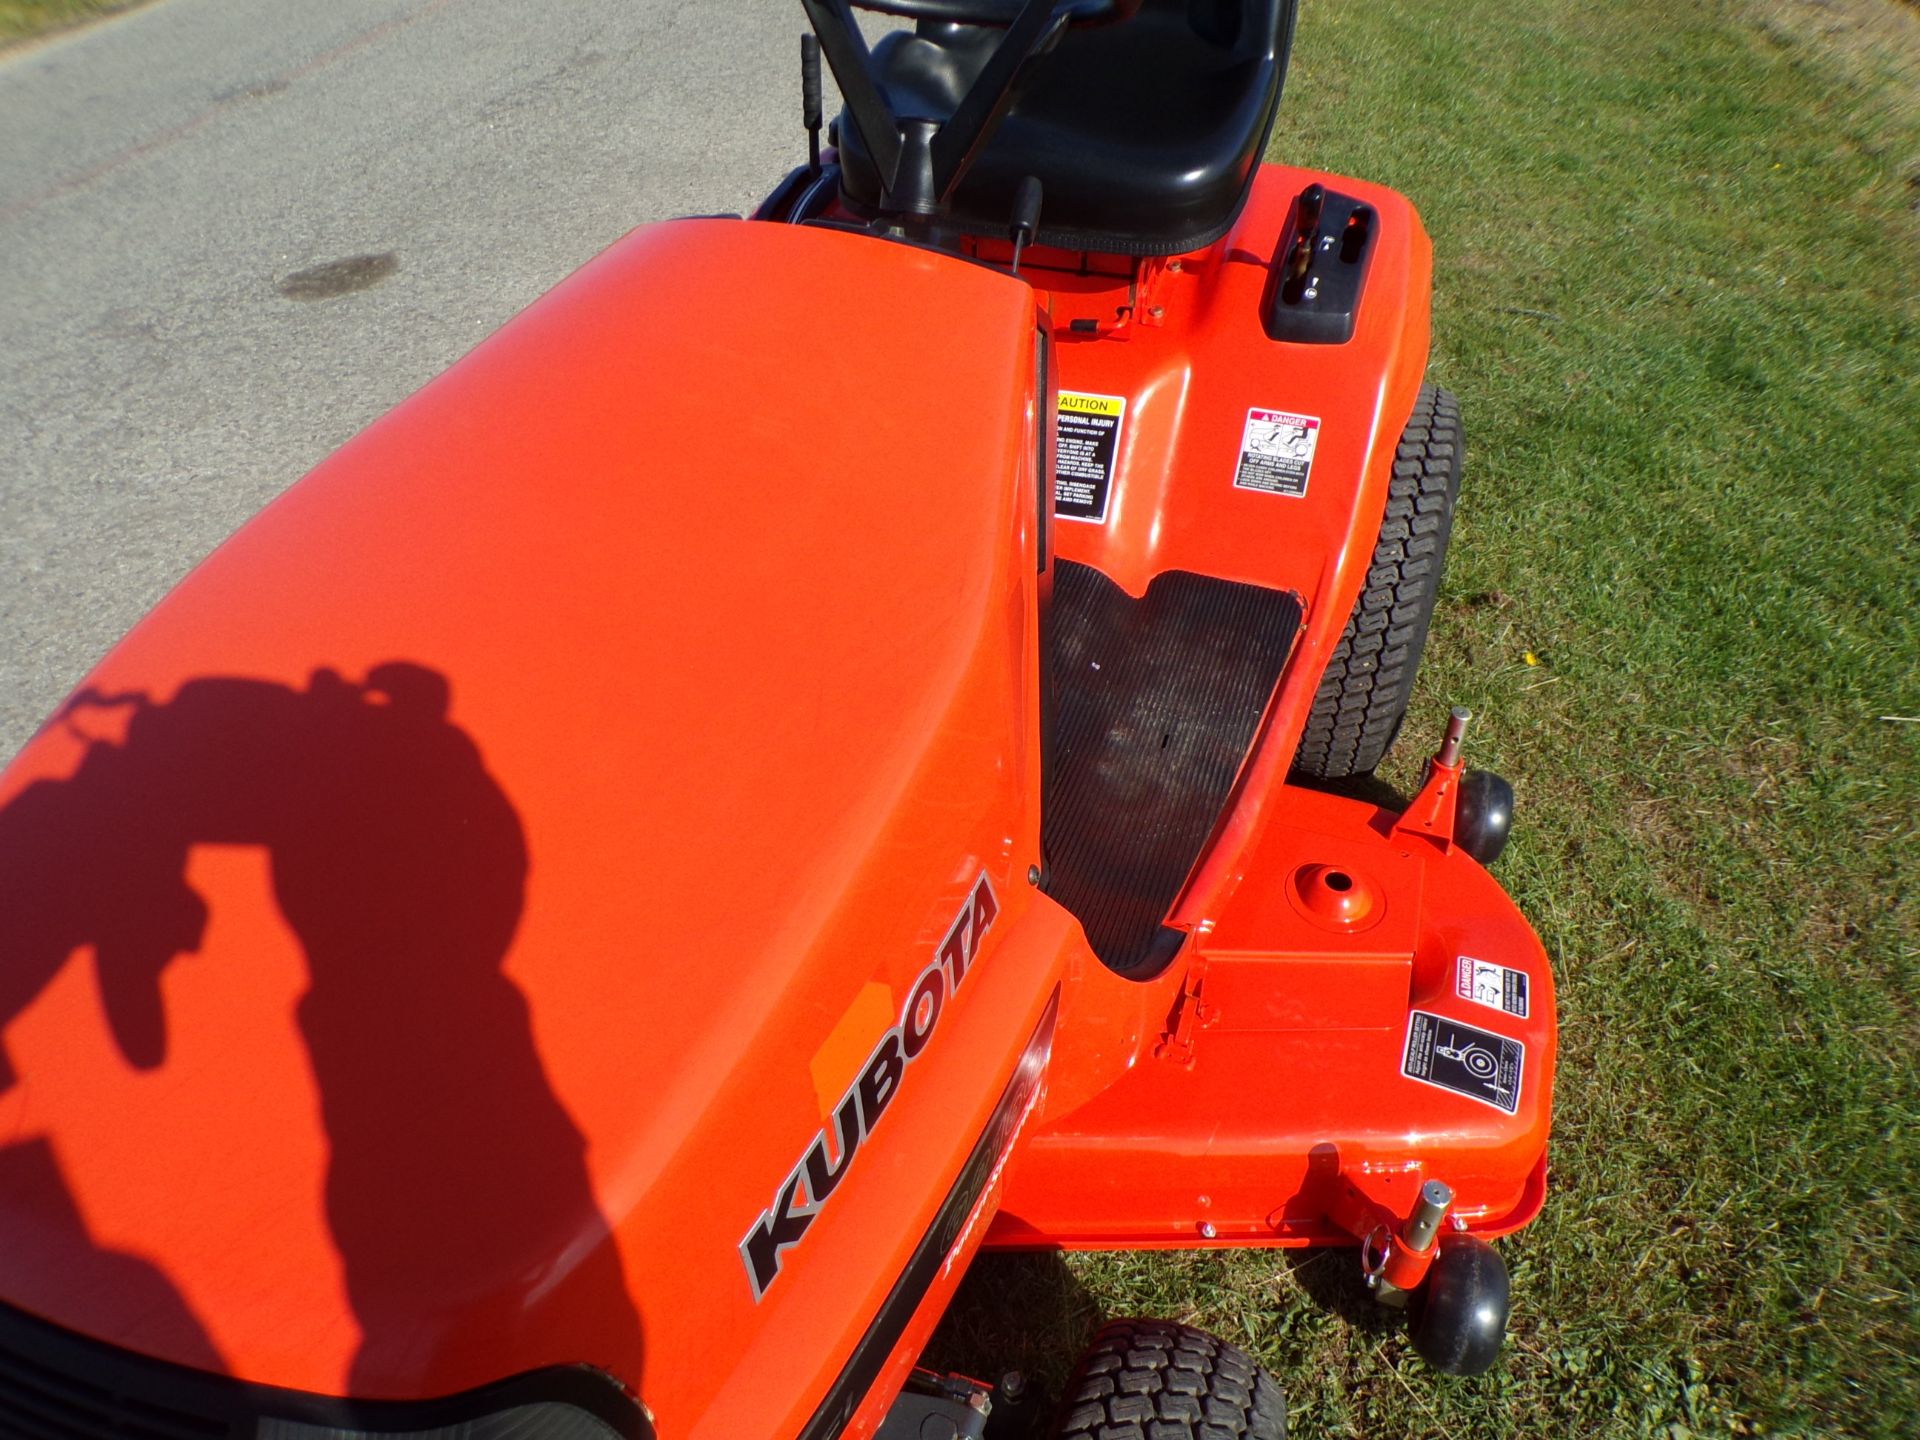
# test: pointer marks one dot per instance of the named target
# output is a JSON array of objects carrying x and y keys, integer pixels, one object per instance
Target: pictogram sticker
[
  {"x": 1276, "y": 452},
  {"x": 1475, "y": 1063},
  {"x": 1498, "y": 987},
  {"x": 1086, "y": 437}
]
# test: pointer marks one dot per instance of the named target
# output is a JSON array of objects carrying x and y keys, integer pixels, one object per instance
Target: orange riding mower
[{"x": 827, "y": 745}]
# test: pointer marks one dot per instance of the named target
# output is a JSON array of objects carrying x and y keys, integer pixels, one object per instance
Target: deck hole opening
[{"x": 1339, "y": 880}]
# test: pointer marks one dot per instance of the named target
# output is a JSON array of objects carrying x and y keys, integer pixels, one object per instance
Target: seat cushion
[{"x": 1144, "y": 134}]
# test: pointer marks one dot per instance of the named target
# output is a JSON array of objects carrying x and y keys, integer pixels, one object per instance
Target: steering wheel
[
  {"x": 998, "y": 12},
  {"x": 924, "y": 159}
]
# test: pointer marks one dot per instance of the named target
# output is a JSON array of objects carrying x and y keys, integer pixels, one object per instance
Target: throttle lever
[
  {"x": 1026, "y": 217},
  {"x": 1306, "y": 231}
]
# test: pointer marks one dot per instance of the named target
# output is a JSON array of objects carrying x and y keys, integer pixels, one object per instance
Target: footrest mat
[{"x": 1155, "y": 703}]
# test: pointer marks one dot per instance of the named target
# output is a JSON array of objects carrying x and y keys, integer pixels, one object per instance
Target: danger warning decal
[
  {"x": 1086, "y": 440},
  {"x": 1276, "y": 452},
  {"x": 1498, "y": 987},
  {"x": 1475, "y": 1063}
]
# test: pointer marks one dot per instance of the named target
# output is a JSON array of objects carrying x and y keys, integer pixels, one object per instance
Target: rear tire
[
  {"x": 1363, "y": 694},
  {"x": 1154, "y": 1380}
]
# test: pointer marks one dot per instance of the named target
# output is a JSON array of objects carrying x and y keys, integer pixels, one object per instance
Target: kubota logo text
[{"x": 827, "y": 1160}]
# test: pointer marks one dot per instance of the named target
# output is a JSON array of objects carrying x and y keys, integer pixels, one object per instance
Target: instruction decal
[
  {"x": 1475, "y": 1063},
  {"x": 1498, "y": 987},
  {"x": 1086, "y": 439},
  {"x": 1276, "y": 452}
]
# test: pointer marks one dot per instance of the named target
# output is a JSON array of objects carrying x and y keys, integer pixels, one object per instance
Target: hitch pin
[
  {"x": 1436, "y": 1196},
  {"x": 1449, "y": 755},
  {"x": 1377, "y": 1250}
]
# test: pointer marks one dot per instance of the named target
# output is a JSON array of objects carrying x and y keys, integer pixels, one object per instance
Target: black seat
[{"x": 1144, "y": 134}]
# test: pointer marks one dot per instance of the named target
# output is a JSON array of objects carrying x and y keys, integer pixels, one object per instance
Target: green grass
[
  {"x": 1677, "y": 260},
  {"x": 23, "y": 19}
]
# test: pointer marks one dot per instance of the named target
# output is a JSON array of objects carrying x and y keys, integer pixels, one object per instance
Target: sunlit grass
[
  {"x": 20, "y": 19},
  {"x": 1677, "y": 263}
]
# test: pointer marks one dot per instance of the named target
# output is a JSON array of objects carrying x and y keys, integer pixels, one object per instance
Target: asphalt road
[{"x": 163, "y": 173}]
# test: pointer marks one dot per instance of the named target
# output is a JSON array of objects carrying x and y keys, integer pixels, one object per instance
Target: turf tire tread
[
  {"x": 1364, "y": 692},
  {"x": 1154, "y": 1380}
]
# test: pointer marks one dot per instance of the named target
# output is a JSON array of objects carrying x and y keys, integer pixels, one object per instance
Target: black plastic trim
[
  {"x": 1091, "y": 242},
  {"x": 1319, "y": 305},
  {"x": 137, "y": 1396},
  {"x": 996, "y": 12},
  {"x": 779, "y": 204},
  {"x": 1047, "y": 400},
  {"x": 800, "y": 195},
  {"x": 870, "y": 1355},
  {"x": 934, "y": 244},
  {"x": 1044, "y": 404}
]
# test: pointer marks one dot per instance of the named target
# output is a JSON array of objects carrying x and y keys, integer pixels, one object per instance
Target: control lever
[
  {"x": 810, "y": 109},
  {"x": 1306, "y": 231},
  {"x": 1320, "y": 268},
  {"x": 1026, "y": 217}
]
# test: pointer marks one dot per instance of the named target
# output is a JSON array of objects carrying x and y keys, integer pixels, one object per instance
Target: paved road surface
[{"x": 161, "y": 173}]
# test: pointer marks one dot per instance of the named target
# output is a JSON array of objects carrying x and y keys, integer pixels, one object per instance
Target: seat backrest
[{"x": 1144, "y": 134}]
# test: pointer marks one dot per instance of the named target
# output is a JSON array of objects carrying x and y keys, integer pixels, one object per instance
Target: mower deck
[{"x": 1317, "y": 1052}]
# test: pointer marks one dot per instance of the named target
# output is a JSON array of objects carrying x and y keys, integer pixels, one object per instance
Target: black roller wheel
[
  {"x": 1363, "y": 695},
  {"x": 1154, "y": 1380},
  {"x": 1459, "y": 1316}
]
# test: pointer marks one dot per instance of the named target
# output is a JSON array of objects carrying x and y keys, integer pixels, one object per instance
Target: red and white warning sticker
[
  {"x": 1276, "y": 452},
  {"x": 1498, "y": 987}
]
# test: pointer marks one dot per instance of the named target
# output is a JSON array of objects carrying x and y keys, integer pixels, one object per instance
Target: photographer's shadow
[{"x": 457, "y": 1191}]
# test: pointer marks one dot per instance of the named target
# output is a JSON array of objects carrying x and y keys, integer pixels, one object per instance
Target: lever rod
[
  {"x": 1026, "y": 217},
  {"x": 810, "y": 107}
]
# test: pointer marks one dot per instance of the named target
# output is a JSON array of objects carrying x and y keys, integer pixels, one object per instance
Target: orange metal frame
[
  {"x": 715, "y": 580},
  {"x": 1252, "y": 1093}
]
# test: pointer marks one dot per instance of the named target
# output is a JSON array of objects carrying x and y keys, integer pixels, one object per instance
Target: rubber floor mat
[{"x": 1155, "y": 703}]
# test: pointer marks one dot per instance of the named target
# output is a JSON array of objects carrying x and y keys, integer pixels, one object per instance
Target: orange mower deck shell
[{"x": 1274, "y": 1085}]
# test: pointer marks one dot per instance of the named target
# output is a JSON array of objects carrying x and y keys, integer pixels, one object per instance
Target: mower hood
[{"x": 428, "y": 940}]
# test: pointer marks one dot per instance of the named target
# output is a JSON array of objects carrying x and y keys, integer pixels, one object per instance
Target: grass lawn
[
  {"x": 1678, "y": 293},
  {"x": 21, "y": 19}
]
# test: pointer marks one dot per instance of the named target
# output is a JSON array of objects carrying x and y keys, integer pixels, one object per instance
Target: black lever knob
[
  {"x": 1026, "y": 217},
  {"x": 1313, "y": 200},
  {"x": 1026, "y": 209},
  {"x": 1306, "y": 229},
  {"x": 810, "y": 108}
]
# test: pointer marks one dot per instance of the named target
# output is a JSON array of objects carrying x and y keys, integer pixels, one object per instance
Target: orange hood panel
[{"x": 430, "y": 938}]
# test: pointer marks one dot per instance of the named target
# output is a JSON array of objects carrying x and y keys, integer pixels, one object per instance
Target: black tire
[
  {"x": 1154, "y": 1380},
  {"x": 1363, "y": 695}
]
